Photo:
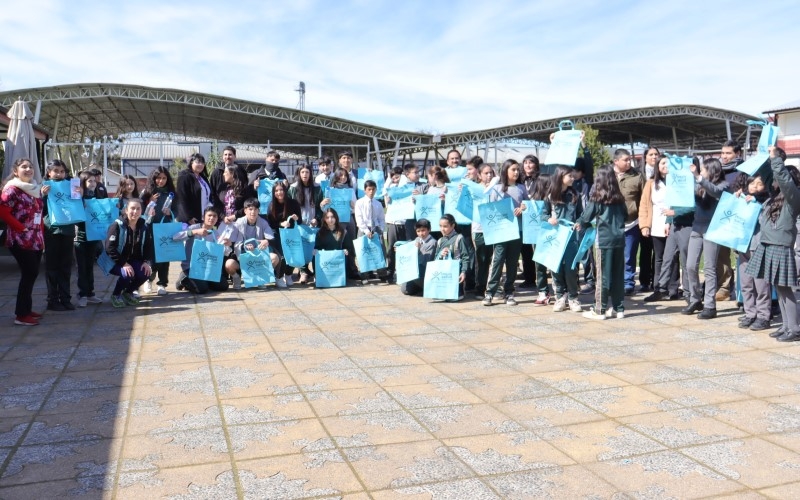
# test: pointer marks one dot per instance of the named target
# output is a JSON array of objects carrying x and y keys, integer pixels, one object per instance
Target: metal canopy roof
[
  {"x": 74, "y": 112},
  {"x": 695, "y": 127},
  {"x": 95, "y": 110}
]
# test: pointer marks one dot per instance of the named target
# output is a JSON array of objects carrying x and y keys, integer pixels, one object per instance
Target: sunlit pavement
[{"x": 362, "y": 392}]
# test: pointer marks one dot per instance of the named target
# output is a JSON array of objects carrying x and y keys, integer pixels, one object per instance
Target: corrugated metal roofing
[{"x": 786, "y": 107}]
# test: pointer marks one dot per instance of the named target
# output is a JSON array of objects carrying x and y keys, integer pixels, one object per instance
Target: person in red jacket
[{"x": 22, "y": 211}]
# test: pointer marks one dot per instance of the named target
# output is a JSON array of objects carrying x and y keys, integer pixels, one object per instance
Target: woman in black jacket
[
  {"x": 192, "y": 191},
  {"x": 283, "y": 212},
  {"x": 126, "y": 245}
]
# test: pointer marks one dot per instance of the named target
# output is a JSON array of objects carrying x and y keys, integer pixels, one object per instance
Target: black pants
[
  {"x": 160, "y": 271},
  {"x": 465, "y": 230},
  {"x": 58, "y": 266},
  {"x": 85, "y": 254},
  {"x": 28, "y": 262},
  {"x": 646, "y": 261},
  {"x": 483, "y": 261},
  {"x": 528, "y": 265},
  {"x": 394, "y": 233}
]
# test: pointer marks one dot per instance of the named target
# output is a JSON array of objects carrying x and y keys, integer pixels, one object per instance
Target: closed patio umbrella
[{"x": 21, "y": 142}]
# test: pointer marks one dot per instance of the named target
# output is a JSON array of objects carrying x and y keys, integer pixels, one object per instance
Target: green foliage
[
  {"x": 178, "y": 164},
  {"x": 214, "y": 158},
  {"x": 600, "y": 154}
]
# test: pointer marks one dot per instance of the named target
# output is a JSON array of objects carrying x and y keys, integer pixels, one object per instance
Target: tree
[
  {"x": 178, "y": 164},
  {"x": 600, "y": 155}
]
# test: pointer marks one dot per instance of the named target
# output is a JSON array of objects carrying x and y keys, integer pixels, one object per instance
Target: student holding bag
[
  {"x": 86, "y": 251},
  {"x": 207, "y": 231},
  {"x": 607, "y": 209},
  {"x": 506, "y": 253},
  {"x": 564, "y": 203},
  {"x": 709, "y": 187},
  {"x": 773, "y": 259},
  {"x": 126, "y": 245},
  {"x": 159, "y": 186},
  {"x": 58, "y": 242},
  {"x": 452, "y": 245},
  {"x": 756, "y": 292},
  {"x": 333, "y": 236}
]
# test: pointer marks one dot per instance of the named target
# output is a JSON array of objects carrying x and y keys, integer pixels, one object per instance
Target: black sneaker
[
  {"x": 55, "y": 306},
  {"x": 587, "y": 289},
  {"x": 654, "y": 297},
  {"x": 68, "y": 305},
  {"x": 759, "y": 324},
  {"x": 692, "y": 308},
  {"x": 746, "y": 322},
  {"x": 707, "y": 314}
]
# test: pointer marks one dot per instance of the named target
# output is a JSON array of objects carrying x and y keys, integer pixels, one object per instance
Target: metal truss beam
[{"x": 76, "y": 94}]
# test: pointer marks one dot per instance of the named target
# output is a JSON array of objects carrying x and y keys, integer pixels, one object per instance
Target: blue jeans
[{"x": 632, "y": 237}]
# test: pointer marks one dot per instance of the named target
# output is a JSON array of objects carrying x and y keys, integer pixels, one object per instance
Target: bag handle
[{"x": 565, "y": 123}]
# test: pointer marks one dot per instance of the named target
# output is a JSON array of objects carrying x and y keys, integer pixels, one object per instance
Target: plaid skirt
[{"x": 773, "y": 263}]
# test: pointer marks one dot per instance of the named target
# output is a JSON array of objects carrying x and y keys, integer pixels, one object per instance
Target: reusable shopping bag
[
  {"x": 564, "y": 148},
  {"x": 498, "y": 221},
  {"x": 451, "y": 199},
  {"x": 265, "y": 195},
  {"x": 61, "y": 207},
  {"x": 167, "y": 249},
  {"x": 256, "y": 268},
  {"x": 441, "y": 279},
  {"x": 552, "y": 243},
  {"x": 769, "y": 137},
  {"x": 587, "y": 241},
  {"x": 531, "y": 221},
  {"x": 206, "y": 261},
  {"x": 680, "y": 182},
  {"x": 428, "y": 206},
  {"x": 309, "y": 237},
  {"x": 340, "y": 201},
  {"x": 369, "y": 253},
  {"x": 365, "y": 174},
  {"x": 734, "y": 222},
  {"x": 292, "y": 247},
  {"x": 406, "y": 257},
  {"x": 329, "y": 269},
  {"x": 100, "y": 213}
]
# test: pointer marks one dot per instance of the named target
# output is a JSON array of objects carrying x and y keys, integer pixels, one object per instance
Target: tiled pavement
[{"x": 364, "y": 393}]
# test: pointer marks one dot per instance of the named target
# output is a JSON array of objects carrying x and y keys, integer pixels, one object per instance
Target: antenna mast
[{"x": 301, "y": 103}]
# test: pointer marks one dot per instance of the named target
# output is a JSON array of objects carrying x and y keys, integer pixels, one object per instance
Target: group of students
[{"x": 225, "y": 208}]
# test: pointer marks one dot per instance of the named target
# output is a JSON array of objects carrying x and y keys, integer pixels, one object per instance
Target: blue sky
[{"x": 419, "y": 65}]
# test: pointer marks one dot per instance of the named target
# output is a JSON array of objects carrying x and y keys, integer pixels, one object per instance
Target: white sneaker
[
  {"x": 82, "y": 302},
  {"x": 162, "y": 290},
  {"x": 147, "y": 287},
  {"x": 136, "y": 295},
  {"x": 289, "y": 280},
  {"x": 94, "y": 299},
  {"x": 614, "y": 314},
  {"x": 280, "y": 282},
  {"x": 592, "y": 314},
  {"x": 561, "y": 304},
  {"x": 510, "y": 300},
  {"x": 237, "y": 281},
  {"x": 575, "y": 305}
]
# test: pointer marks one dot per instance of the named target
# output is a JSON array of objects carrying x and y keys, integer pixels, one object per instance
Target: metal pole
[
  {"x": 495, "y": 154},
  {"x": 396, "y": 153},
  {"x": 320, "y": 149},
  {"x": 161, "y": 153},
  {"x": 369, "y": 164},
  {"x": 377, "y": 155},
  {"x": 105, "y": 160},
  {"x": 675, "y": 138},
  {"x": 728, "y": 128}
]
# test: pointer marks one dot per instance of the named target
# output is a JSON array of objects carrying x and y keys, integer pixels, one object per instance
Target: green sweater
[{"x": 610, "y": 222}]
